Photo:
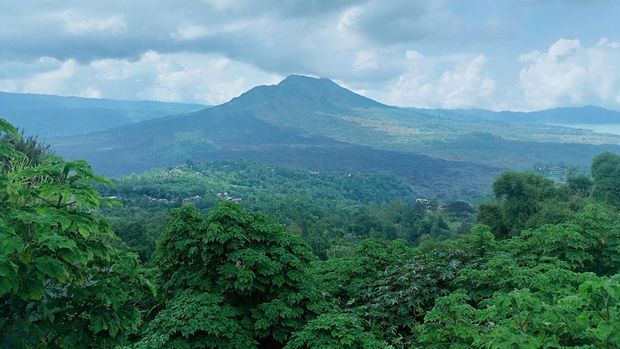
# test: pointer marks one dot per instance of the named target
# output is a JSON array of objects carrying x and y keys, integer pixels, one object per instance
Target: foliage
[
  {"x": 194, "y": 319},
  {"x": 335, "y": 330},
  {"x": 240, "y": 266},
  {"x": 65, "y": 281},
  {"x": 540, "y": 272},
  {"x": 330, "y": 211},
  {"x": 606, "y": 174},
  {"x": 527, "y": 200}
]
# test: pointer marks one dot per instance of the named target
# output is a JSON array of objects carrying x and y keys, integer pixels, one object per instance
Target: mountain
[
  {"x": 317, "y": 125},
  {"x": 256, "y": 126},
  {"x": 563, "y": 116},
  {"x": 47, "y": 115}
]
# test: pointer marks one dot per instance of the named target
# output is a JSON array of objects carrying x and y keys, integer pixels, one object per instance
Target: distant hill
[
  {"x": 47, "y": 115},
  {"x": 564, "y": 116}
]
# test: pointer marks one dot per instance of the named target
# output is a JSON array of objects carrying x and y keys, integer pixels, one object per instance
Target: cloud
[
  {"x": 365, "y": 60},
  {"x": 51, "y": 81},
  {"x": 80, "y": 23},
  {"x": 570, "y": 74},
  {"x": 401, "y": 21},
  {"x": 190, "y": 32},
  {"x": 469, "y": 48},
  {"x": 447, "y": 82},
  {"x": 209, "y": 79}
]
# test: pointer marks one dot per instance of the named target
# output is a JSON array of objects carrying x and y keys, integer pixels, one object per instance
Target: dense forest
[{"x": 239, "y": 254}]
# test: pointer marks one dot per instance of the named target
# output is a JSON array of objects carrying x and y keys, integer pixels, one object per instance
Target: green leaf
[{"x": 9, "y": 129}]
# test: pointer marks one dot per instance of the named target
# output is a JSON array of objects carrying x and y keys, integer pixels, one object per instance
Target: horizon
[
  {"x": 318, "y": 78},
  {"x": 515, "y": 55}
]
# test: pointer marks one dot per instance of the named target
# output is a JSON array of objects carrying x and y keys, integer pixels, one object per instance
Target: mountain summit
[
  {"x": 302, "y": 103},
  {"x": 305, "y": 91}
]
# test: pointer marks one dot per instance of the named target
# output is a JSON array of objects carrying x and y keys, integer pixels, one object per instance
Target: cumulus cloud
[
  {"x": 401, "y": 21},
  {"x": 81, "y": 23},
  {"x": 209, "y": 79},
  {"x": 97, "y": 48},
  {"x": 428, "y": 83},
  {"x": 570, "y": 74},
  {"x": 365, "y": 60},
  {"x": 190, "y": 32}
]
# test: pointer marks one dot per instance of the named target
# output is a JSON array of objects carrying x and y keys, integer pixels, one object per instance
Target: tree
[
  {"x": 606, "y": 174},
  {"x": 238, "y": 272},
  {"x": 579, "y": 184},
  {"x": 518, "y": 198},
  {"x": 65, "y": 280},
  {"x": 335, "y": 330}
]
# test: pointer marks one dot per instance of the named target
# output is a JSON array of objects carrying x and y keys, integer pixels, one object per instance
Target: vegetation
[
  {"x": 330, "y": 211},
  {"x": 540, "y": 270},
  {"x": 65, "y": 279}
]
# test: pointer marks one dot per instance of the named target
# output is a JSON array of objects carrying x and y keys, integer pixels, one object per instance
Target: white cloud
[
  {"x": 427, "y": 82},
  {"x": 413, "y": 55},
  {"x": 190, "y": 32},
  {"x": 90, "y": 92},
  {"x": 563, "y": 47},
  {"x": 569, "y": 74},
  {"x": 51, "y": 81},
  {"x": 606, "y": 43},
  {"x": 185, "y": 77},
  {"x": 348, "y": 18},
  {"x": 81, "y": 23},
  {"x": 365, "y": 60}
]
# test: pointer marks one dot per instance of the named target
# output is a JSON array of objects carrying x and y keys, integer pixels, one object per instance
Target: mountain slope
[
  {"x": 47, "y": 115},
  {"x": 318, "y": 125},
  {"x": 253, "y": 126},
  {"x": 564, "y": 116}
]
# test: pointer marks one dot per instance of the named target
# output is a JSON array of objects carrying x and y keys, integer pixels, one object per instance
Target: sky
[{"x": 493, "y": 54}]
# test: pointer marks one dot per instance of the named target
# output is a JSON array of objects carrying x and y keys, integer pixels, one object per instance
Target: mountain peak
[
  {"x": 307, "y": 92},
  {"x": 303, "y": 80}
]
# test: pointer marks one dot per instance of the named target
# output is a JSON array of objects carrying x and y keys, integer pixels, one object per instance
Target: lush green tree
[
  {"x": 606, "y": 174},
  {"x": 553, "y": 286},
  {"x": 459, "y": 208},
  {"x": 586, "y": 316},
  {"x": 528, "y": 201},
  {"x": 401, "y": 295},
  {"x": 30, "y": 146},
  {"x": 579, "y": 184},
  {"x": 65, "y": 279},
  {"x": 335, "y": 331},
  {"x": 236, "y": 270},
  {"x": 450, "y": 324},
  {"x": 348, "y": 279}
]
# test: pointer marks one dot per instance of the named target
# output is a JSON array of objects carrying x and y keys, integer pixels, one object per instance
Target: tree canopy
[
  {"x": 539, "y": 268},
  {"x": 65, "y": 279}
]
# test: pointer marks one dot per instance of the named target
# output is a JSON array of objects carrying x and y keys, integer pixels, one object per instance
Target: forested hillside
[
  {"x": 331, "y": 211},
  {"x": 346, "y": 261}
]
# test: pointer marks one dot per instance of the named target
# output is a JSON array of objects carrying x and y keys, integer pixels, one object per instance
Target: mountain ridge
[
  {"x": 588, "y": 114},
  {"x": 50, "y": 115}
]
